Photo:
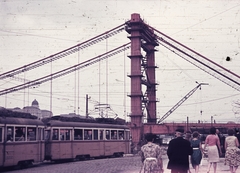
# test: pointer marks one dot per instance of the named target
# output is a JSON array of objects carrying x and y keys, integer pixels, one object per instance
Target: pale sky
[{"x": 34, "y": 29}]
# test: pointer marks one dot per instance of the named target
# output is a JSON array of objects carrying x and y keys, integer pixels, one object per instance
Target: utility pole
[
  {"x": 211, "y": 121},
  {"x": 87, "y": 106}
]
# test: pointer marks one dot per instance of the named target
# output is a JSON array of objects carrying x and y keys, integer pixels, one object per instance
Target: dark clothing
[
  {"x": 179, "y": 171},
  {"x": 197, "y": 153},
  {"x": 238, "y": 136},
  {"x": 178, "y": 153},
  {"x": 222, "y": 142}
]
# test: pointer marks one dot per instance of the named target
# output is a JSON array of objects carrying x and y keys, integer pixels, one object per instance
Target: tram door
[
  {"x": 1, "y": 145},
  {"x": 8, "y": 147},
  {"x": 47, "y": 148},
  {"x": 9, "y": 155}
]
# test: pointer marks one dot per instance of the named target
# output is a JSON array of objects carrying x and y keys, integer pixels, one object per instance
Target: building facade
[{"x": 35, "y": 110}]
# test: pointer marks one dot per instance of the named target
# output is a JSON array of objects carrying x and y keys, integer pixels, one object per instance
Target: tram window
[
  {"x": 113, "y": 134},
  {"x": 20, "y": 133},
  {"x": 108, "y": 134},
  {"x": 31, "y": 134},
  {"x": 47, "y": 134},
  {"x": 64, "y": 134},
  {"x": 40, "y": 134},
  {"x": 120, "y": 134},
  {"x": 9, "y": 134},
  {"x": 87, "y": 134},
  {"x": 55, "y": 134},
  {"x": 95, "y": 134},
  {"x": 78, "y": 133},
  {"x": 101, "y": 134},
  {"x": 127, "y": 135},
  {"x": 68, "y": 134},
  {"x": 1, "y": 134}
]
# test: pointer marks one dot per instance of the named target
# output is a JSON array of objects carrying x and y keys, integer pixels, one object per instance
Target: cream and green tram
[{"x": 82, "y": 140}]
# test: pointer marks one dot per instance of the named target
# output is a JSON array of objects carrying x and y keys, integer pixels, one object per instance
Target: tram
[
  {"x": 21, "y": 139},
  {"x": 25, "y": 139},
  {"x": 83, "y": 140}
]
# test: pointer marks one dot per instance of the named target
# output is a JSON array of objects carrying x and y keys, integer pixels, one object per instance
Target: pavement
[
  {"x": 221, "y": 168},
  {"x": 127, "y": 164}
]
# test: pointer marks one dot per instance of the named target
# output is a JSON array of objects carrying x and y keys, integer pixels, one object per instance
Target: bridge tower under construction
[{"x": 143, "y": 103}]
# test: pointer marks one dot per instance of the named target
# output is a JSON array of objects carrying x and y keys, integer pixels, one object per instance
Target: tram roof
[
  {"x": 58, "y": 123},
  {"x": 20, "y": 121}
]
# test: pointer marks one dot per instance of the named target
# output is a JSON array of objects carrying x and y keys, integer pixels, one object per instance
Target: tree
[{"x": 236, "y": 107}]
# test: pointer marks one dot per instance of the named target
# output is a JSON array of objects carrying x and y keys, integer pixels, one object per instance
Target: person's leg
[
  {"x": 235, "y": 169},
  {"x": 183, "y": 171},
  {"x": 174, "y": 171},
  {"x": 215, "y": 167},
  {"x": 196, "y": 168},
  {"x": 209, "y": 166},
  {"x": 189, "y": 159},
  {"x": 231, "y": 169}
]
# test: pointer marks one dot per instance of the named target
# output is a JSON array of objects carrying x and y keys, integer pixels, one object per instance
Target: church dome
[{"x": 35, "y": 102}]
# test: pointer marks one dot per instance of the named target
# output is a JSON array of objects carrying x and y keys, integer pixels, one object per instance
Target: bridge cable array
[
  {"x": 64, "y": 53},
  {"x": 67, "y": 70},
  {"x": 200, "y": 61}
]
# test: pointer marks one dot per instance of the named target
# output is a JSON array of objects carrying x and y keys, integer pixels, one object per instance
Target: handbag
[{"x": 238, "y": 151}]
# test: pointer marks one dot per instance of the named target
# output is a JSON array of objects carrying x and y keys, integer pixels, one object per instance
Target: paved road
[{"x": 127, "y": 164}]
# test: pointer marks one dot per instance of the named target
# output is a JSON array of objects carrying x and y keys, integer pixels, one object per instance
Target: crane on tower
[
  {"x": 198, "y": 60},
  {"x": 180, "y": 102}
]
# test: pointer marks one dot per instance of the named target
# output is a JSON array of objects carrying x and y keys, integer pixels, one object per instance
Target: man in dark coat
[{"x": 178, "y": 153}]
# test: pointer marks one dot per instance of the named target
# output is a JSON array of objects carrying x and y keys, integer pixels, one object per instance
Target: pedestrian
[
  {"x": 178, "y": 153},
  {"x": 213, "y": 143},
  {"x": 222, "y": 141},
  {"x": 151, "y": 156},
  {"x": 188, "y": 136},
  {"x": 237, "y": 134},
  {"x": 196, "y": 157},
  {"x": 232, "y": 158}
]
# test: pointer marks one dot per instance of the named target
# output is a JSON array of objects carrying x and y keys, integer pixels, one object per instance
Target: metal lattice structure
[{"x": 143, "y": 40}]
